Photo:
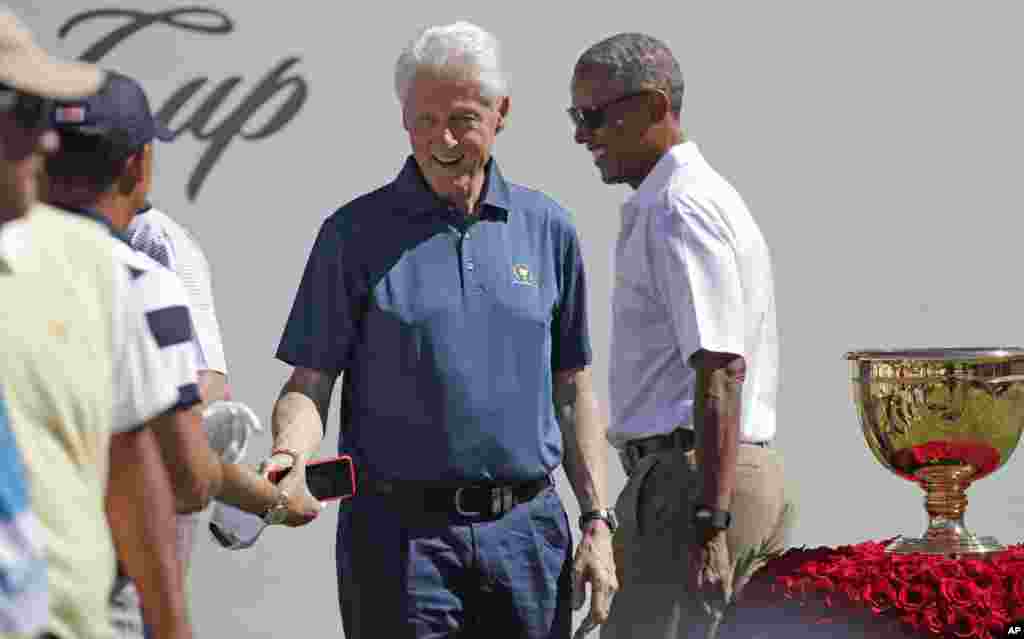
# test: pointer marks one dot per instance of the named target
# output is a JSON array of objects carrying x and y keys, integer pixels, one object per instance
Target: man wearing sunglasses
[{"x": 694, "y": 351}]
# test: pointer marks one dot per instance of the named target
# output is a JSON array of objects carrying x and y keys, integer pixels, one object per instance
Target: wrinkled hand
[
  {"x": 710, "y": 573},
  {"x": 594, "y": 564},
  {"x": 302, "y": 506}
]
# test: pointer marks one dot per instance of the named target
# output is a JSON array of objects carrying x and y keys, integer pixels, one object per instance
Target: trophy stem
[{"x": 946, "y": 502}]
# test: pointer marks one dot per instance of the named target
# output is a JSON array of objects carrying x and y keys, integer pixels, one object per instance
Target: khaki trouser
[{"x": 651, "y": 544}]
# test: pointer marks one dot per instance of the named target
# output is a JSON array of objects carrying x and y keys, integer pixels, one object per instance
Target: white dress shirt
[{"x": 693, "y": 272}]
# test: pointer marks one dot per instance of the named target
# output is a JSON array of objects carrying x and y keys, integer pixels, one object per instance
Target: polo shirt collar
[
  {"x": 419, "y": 198},
  {"x": 675, "y": 159},
  {"x": 96, "y": 216}
]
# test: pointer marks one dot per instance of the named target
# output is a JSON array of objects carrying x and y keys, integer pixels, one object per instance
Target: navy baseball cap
[{"x": 119, "y": 111}]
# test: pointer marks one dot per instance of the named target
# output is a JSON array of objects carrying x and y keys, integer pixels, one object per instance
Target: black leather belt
[
  {"x": 682, "y": 439},
  {"x": 468, "y": 500}
]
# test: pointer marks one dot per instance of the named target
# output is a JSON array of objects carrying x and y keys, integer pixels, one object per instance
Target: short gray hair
[
  {"x": 639, "y": 61},
  {"x": 454, "y": 48}
]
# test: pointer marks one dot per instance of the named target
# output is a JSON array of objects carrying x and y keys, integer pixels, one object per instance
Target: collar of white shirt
[{"x": 675, "y": 159}]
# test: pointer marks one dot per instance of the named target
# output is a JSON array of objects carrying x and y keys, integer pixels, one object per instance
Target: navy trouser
[{"x": 404, "y": 574}]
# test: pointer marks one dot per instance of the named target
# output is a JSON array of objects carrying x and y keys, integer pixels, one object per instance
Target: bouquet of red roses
[{"x": 862, "y": 591}]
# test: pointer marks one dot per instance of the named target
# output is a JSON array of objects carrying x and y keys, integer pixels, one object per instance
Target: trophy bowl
[{"x": 941, "y": 418}]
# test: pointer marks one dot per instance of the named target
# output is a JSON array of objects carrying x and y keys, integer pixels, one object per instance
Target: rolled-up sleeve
[
  {"x": 320, "y": 329},
  {"x": 697, "y": 277}
]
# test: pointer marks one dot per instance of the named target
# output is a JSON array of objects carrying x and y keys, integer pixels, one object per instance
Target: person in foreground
[
  {"x": 74, "y": 351},
  {"x": 102, "y": 172},
  {"x": 452, "y": 304},
  {"x": 694, "y": 351}
]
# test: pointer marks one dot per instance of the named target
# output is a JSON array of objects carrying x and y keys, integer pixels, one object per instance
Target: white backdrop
[{"x": 876, "y": 143}]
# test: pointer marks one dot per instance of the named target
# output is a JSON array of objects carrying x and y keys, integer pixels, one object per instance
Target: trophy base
[{"x": 959, "y": 545}]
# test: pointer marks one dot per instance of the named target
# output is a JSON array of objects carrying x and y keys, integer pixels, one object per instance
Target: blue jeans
[{"x": 409, "y": 575}]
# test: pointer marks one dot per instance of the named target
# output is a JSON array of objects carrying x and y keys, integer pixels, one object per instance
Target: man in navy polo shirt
[{"x": 453, "y": 302}]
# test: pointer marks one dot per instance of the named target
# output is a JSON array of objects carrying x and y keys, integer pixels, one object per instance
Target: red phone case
[{"x": 322, "y": 474}]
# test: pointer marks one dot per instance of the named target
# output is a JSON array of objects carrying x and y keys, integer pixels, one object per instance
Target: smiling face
[
  {"x": 452, "y": 127},
  {"x": 619, "y": 145}
]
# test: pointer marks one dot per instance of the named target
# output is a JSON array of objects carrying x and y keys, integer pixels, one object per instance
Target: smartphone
[{"x": 328, "y": 479}]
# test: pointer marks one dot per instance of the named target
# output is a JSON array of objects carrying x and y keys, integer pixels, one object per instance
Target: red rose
[
  {"x": 950, "y": 569},
  {"x": 812, "y": 569},
  {"x": 823, "y": 585},
  {"x": 907, "y": 568},
  {"x": 849, "y": 571},
  {"x": 982, "y": 573},
  {"x": 996, "y": 622},
  {"x": 1017, "y": 589},
  {"x": 912, "y": 622},
  {"x": 958, "y": 592},
  {"x": 963, "y": 624},
  {"x": 853, "y": 593},
  {"x": 914, "y": 597},
  {"x": 931, "y": 452},
  {"x": 879, "y": 595},
  {"x": 933, "y": 619}
]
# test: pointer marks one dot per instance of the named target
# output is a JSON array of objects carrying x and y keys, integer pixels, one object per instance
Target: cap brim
[
  {"x": 26, "y": 67},
  {"x": 161, "y": 132}
]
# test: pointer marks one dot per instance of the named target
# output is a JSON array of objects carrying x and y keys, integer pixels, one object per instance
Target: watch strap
[
  {"x": 606, "y": 515},
  {"x": 716, "y": 518}
]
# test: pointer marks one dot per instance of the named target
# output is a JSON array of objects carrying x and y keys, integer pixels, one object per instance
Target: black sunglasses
[
  {"x": 31, "y": 112},
  {"x": 594, "y": 118}
]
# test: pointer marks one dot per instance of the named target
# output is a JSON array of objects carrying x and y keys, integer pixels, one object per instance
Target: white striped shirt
[
  {"x": 161, "y": 301},
  {"x": 166, "y": 241},
  {"x": 158, "y": 358}
]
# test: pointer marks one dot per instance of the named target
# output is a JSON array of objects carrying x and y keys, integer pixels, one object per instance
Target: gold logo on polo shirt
[{"x": 521, "y": 275}]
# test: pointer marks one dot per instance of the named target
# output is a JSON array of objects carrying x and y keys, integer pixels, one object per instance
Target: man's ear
[
  {"x": 133, "y": 172},
  {"x": 503, "y": 108},
  {"x": 660, "y": 106}
]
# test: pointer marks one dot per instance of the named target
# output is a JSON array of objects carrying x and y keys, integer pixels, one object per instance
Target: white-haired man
[{"x": 453, "y": 303}]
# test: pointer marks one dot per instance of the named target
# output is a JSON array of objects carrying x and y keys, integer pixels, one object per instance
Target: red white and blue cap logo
[{"x": 70, "y": 114}]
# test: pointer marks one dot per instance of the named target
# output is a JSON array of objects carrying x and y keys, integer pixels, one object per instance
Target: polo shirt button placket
[{"x": 473, "y": 286}]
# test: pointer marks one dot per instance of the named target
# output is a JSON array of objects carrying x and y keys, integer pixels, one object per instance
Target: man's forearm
[
  {"x": 140, "y": 511},
  {"x": 245, "y": 489},
  {"x": 212, "y": 387},
  {"x": 297, "y": 423},
  {"x": 584, "y": 438},
  {"x": 717, "y": 405},
  {"x": 194, "y": 467}
]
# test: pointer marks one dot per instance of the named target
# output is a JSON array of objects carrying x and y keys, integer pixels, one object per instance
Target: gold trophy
[{"x": 942, "y": 418}]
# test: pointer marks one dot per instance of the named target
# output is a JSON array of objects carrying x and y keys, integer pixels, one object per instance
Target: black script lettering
[
  {"x": 219, "y": 136},
  {"x": 233, "y": 125},
  {"x": 139, "y": 20}
]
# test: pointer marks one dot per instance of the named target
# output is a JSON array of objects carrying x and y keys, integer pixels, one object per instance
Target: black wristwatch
[
  {"x": 607, "y": 515},
  {"x": 707, "y": 517}
]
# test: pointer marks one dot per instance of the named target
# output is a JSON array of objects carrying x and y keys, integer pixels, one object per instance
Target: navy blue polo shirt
[{"x": 447, "y": 329}]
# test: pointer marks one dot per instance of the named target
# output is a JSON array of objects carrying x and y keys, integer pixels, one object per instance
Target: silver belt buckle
[{"x": 458, "y": 504}]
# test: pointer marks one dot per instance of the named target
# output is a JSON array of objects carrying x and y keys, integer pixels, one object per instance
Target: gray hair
[
  {"x": 456, "y": 49},
  {"x": 638, "y": 61}
]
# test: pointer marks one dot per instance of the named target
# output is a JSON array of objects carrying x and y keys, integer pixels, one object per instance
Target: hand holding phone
[{"x": 328, "y": 479}]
